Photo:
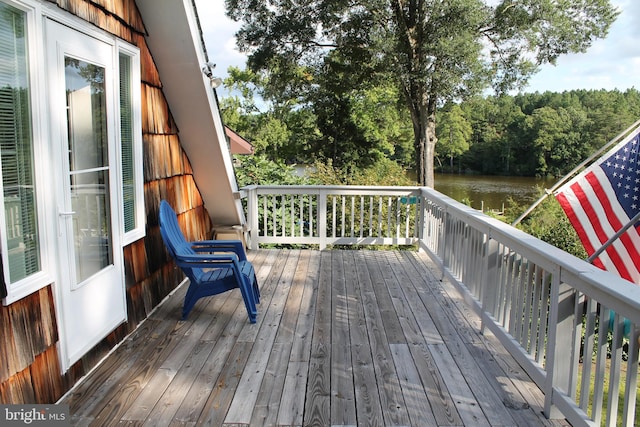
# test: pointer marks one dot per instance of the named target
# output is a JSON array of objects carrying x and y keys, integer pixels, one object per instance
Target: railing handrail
[{"x": 606, "y": 287}]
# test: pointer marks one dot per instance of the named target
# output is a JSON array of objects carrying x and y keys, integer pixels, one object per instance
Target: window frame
[
  {"x": 139, "y": 230},
  {"x": 38, "y": 280}
]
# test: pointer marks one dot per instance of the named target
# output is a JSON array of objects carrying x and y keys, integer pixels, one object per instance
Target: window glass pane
[
  {"x": 16, "y": 147},
  {"x": 88, "y": 147},
  {"x": 127, "y": 141},
  {"x": 88, "y": 166}
]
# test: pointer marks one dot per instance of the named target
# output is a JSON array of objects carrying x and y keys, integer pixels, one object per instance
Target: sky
[{"x": 610, "y": 63}]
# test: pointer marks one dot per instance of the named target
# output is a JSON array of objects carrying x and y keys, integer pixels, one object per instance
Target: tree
[
  {"x": 456, "y": 131},
  {"x": 433, "y": 49},
  {"x": 557, "y": 139},
  {"x": 277, "y": 127}
]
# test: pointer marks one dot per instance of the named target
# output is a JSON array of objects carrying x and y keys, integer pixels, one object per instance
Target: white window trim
[
  {"x": 39, "y": 129},
  {"x": 37, "y": 12},
  {"x": 139, "y": 232}
]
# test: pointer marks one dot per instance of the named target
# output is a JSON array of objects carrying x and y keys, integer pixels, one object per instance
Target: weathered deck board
[{"x": 343, "y": 338}]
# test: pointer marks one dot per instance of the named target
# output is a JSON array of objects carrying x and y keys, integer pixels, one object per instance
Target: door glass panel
[{"x": 88, "y": 166}]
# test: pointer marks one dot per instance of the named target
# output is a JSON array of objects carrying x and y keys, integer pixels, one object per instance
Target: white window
[
  {"x": 28, "y": 220},
  {"x": 133, "y": 222},
  {"x": 22, "y": 225}
]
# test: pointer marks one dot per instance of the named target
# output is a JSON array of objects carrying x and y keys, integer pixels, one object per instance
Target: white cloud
[{"x": 609, "y": 64}]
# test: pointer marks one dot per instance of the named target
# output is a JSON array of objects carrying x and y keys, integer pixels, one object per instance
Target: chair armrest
[
  {"x": 206, "y": 261},
  {"x": 234, "y": 246}
]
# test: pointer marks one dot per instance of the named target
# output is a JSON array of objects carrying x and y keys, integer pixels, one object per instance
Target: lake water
[{"x": 491, "y": 192}]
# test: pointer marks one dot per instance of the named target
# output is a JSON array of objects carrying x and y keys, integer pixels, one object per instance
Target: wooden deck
[{"x": 366, "y": 338}]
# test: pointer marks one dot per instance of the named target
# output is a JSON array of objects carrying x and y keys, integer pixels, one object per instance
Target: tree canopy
[{"x": 432, "y": 51}]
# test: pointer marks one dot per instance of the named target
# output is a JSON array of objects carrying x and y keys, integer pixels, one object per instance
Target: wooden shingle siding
[
  {"x": 29, "y": 361},
  {"x": 48, "y": 385},
  {"x": 119, "y": 17},
  {"x": 148, "y": 71},
  {"x": 164, "y": 157},
  {"x": 156, "y": 118},
  {"x": 18, "y": 388},
  {"x": 28, "y": 328}
]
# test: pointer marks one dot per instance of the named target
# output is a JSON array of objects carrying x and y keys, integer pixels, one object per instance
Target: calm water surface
[{"x": 491, "y": 192}]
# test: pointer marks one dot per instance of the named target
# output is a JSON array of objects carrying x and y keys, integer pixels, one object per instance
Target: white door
[{"x": 90, "y": 282}]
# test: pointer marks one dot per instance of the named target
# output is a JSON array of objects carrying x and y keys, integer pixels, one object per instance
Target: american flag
[{"x": 603, "y": 199}]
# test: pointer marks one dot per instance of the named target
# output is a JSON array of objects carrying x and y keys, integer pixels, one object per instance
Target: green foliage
[
  {"x": 384, "y": 172},
  {"x": 535, "y": 134},
  {"x": 544, "y": 134},
  {"x": 455, "y": 134},
  {"x": 258, "y": 170},
  {"x": 549, "y": 223}
]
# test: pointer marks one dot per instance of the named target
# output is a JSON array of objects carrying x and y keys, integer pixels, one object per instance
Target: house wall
[{"x": 29, "y": 365}]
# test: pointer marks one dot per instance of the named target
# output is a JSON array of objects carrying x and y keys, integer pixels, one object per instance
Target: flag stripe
[{"x": 577, "y": 224}]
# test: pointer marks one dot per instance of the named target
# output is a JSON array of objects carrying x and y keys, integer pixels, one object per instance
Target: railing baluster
[
  {"x": 371, "y": 216},
  {"x": 629, "y": 407},
  {"x": 334, "y": 215},
  {"x": 587, "y": 351},
  {"x": 601, "y": 360},
  {"x": 353, "y": 214},
  {"x": 398, "y": 213},
  {"x": 389, "y": 228},
  {"x": 265, "y": 213},
  {"x": 292, "y": 215},
  {"x": 380, "y": 216},
  {"x": 613, "y": 394},
  {"x": 342, "y": 215},
  {"x": 301, "y": 215},
  {"x": 361, "y": 217}
]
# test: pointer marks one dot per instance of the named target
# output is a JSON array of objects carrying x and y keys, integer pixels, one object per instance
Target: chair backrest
[{"x": 174, "y": 240}]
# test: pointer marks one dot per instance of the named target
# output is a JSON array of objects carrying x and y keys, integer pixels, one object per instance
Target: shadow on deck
[{"x": 343, "y": 338}]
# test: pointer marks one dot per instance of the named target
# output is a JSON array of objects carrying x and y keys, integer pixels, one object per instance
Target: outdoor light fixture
[
  {"x": 215, "y": 82},
  {"x": 207, "y": 69}
]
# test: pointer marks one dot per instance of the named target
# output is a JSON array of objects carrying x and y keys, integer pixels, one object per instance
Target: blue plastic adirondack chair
[{"x": 212, "y": 266}]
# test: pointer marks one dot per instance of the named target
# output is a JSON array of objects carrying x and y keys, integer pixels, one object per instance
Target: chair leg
[
  {"x": 249, "y": 302},
  {"x": 189, "y": 300},
  {"x": 256, "y": 290}
]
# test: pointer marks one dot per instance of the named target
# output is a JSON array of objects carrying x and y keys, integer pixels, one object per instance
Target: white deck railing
[{"x": 544, "y": 305}]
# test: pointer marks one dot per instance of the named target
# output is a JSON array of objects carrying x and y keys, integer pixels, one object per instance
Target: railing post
[
  {"x": 559, "y": 355},
  {"x": 422, "y": 223},
  {"x": 322, "y": 218},
  {"x": 252, "y": 213}
]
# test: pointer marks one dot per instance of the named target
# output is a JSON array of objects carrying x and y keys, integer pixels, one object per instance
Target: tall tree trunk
[
  {"x": 420, "y": 148},
  {"x": 424, "y": 132},
  {"x": 430, "y": 152}
]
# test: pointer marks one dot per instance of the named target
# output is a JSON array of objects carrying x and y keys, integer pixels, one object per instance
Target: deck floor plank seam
[
  {"x": 318, "y": 390},
  {"x": 249, "y": 386},
  {"x": 392, "y": 402},
  {"x": 343, "y": 405},
  {"x": 418, "y": 327},
  {"x": 368, "y": 407},
  {"x": 298, "y": 368}
]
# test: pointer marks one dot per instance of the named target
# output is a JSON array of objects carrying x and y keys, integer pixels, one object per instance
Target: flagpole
[
  {"x": 548, "y": 192},
  {"x": 613, "y": 238}
]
